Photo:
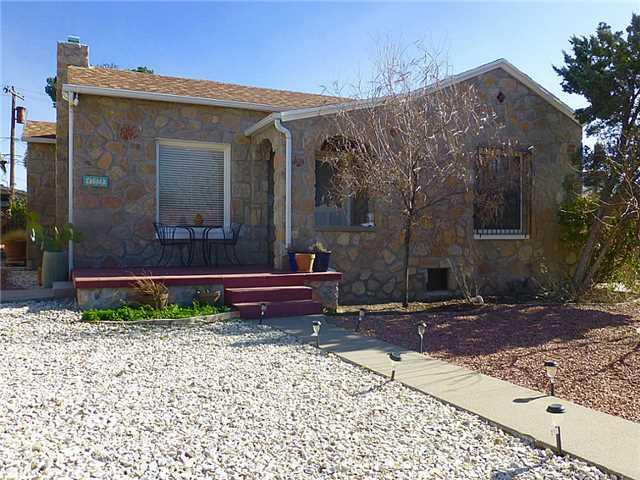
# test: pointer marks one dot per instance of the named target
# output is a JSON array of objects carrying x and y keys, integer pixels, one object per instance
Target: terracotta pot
[
  {"x": 16, "y": 251},
  {"x": 305, "y": 261}
]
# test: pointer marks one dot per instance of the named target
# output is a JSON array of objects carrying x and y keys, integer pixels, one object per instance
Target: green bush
[
  {"x": 622, "y": 262},
  {"x": 147, "y": 312}
]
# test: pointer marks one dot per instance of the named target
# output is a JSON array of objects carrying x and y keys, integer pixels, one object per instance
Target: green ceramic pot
[{"x": 55, "y": 268}]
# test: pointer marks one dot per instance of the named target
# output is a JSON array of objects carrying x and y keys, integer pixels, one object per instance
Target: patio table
[{"x": 202, "y": 233}]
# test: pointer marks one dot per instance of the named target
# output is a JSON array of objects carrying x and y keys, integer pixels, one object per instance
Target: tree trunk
[
  {"x": 594, "y": 268},
  {"x": 407, "y": 250},
  {"x": 586, "y": 255}
]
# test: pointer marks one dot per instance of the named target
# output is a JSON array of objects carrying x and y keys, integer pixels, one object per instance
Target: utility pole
[{"x": 12, "y": 145}]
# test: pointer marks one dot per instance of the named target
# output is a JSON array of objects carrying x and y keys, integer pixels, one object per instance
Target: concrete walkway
[{"x": 601, "y": 439}]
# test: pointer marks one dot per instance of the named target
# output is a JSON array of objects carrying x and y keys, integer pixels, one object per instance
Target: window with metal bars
[{"x": 503, "y": 188}]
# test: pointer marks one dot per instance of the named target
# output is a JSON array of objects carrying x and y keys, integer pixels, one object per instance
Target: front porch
[{"x": 244, "y": 288}]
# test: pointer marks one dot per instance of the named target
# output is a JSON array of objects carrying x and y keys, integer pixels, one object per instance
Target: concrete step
[
  {"x": 279, "y": 309},
  {"x": 267, "y": 294},
  {"x": 27, "y": 294}
]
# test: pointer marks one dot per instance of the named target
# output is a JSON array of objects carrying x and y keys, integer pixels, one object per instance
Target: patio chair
[
  {"x": 166, "y": 235},
  {"x": 229, "y": 240}
]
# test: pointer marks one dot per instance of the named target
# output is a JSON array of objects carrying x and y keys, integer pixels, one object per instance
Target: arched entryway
[{"x": 266, "y": 155}]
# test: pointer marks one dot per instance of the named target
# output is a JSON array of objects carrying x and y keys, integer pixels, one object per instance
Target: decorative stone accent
[{"x": 326, "y": 293}]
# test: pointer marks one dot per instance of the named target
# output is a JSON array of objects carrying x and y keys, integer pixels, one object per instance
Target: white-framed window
[
  {"x": 193, "y": 183},
  {"x": 502, "y": 204},
  {"x": 331, "y": 212}
]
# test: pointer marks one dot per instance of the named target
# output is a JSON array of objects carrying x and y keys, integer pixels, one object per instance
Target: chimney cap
[{"x": 73, "y": 39}]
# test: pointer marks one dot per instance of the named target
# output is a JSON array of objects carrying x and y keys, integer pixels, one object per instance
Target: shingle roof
[
  {"x": 39, "y": 129},
  {"x": 144, "y": 82}
]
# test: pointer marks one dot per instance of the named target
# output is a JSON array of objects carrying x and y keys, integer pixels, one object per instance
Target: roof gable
[{"x": 300, "y": 113}]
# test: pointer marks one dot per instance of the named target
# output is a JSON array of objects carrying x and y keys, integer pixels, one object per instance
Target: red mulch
[{"x": 597, "y": 346}]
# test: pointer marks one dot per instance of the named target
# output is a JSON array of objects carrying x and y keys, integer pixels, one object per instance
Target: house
[{"x": 150, "y": 148}]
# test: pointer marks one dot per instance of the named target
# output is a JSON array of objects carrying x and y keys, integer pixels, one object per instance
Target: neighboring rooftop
[
  {"x": 150, "y": 83},
  {"x": 34, "y": 131}
]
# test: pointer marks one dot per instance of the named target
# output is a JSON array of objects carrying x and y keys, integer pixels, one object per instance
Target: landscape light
[
  {"x": 263, "y": 311},
  {"x": 394, "y": 359},
  {"x": 551, "y": 367},
  {"x": 361, "y": 314},
  {"x": 316, "y": 331},
  {"x": 422, "y": 327},
  {"x": 557, "y": 411}
]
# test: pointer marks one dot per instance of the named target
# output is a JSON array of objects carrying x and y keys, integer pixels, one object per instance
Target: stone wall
[
  {"x": 114, "y": 297},
  {"x": 116, "y": 137},
  {"x": 270, "y": 138},
  {"x": 67, "y": 54},
  {"x": 371, "y": 258},
  {"x": 41, "y": 189}
]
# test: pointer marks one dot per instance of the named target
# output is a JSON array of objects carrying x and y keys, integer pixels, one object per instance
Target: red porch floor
[{"x": 245, "y": 287}]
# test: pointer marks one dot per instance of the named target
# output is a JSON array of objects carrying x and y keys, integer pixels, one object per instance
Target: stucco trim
[{"x": 165, "y": 97}]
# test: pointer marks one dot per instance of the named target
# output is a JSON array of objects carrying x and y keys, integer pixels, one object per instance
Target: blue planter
[{"x": 293, "y": 266}]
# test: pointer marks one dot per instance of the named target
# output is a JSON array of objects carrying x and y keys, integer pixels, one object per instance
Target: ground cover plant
[{"x": 147, "y": 312}]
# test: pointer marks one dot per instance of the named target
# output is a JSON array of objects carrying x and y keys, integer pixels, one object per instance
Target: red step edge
[
  {"x": 267, "y": 294},
  {"x": 279, "y": 309}
]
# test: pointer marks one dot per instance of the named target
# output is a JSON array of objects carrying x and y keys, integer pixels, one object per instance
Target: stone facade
[
  {"x": 114, "y": 297},
  {"x": 41, "y": 189},
  {"x": 326, "y": 293},
  {"x": 67, "y": 54},
  {"x": 116, "y": 138},
  {"x": 371, "y": 258}
]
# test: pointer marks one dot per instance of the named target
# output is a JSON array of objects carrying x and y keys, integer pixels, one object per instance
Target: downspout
[
  {"x": 72, "y": 99},
  {"x": 287, "y": 217}
]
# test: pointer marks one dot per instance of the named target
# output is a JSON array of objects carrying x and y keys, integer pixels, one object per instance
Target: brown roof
[
  {"x": 145, "y": 82},
  {"x": 39, "y": 129}
]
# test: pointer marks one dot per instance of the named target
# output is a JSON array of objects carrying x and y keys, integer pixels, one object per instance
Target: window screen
[{"x": 191, "y": 185}]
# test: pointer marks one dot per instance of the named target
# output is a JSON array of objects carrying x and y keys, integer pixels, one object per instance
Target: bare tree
[{"x": 410, "y": 139}]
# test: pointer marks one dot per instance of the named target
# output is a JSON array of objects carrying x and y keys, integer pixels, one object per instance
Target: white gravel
[{"x": 226, "y": 401}]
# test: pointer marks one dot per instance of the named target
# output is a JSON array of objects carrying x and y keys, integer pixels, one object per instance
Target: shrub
[{"x": 152, "y": 293}]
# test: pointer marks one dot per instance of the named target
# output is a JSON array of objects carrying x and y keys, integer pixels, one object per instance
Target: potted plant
[
  {"x": 14, "y": 237},
  {"x": 52, "y": 241},
  {"x": 293, "y": 266},
  {"x": 321, "y": 263},
  {"x": 304, "y": 261}
]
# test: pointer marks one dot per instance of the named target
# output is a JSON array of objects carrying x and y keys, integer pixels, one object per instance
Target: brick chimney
[{"x": 69, "y": 53}]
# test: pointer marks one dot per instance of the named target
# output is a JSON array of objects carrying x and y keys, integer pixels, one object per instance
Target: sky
[{"x": 301, "y": 46}]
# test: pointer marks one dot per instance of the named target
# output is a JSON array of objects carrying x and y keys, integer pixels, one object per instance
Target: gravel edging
[{"x": 171, "y": 322}]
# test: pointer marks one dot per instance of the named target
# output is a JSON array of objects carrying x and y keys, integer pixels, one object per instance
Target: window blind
[{"x": 191, "y": 184}]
